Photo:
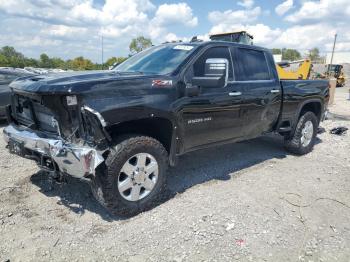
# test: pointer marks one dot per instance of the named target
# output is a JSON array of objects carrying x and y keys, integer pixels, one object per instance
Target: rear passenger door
[{"x": 261, "y": 90}]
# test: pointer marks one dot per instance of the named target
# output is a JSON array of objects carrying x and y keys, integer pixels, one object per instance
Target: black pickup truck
[{"x": 121, "y": 129}]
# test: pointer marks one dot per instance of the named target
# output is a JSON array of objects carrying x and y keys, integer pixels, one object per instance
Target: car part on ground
[{"x": 341, "y": 130}]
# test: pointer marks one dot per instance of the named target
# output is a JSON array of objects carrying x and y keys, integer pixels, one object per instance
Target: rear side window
[{"x": 250, "y": 65}]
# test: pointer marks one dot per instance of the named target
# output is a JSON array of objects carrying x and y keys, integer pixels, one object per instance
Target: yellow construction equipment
[
  {"x": 303, "y": 71},
  {"x": 337, "y": 72}
]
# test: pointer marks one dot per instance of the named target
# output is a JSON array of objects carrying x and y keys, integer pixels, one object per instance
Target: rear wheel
[
  {"x": 134, "y": 176},
  {"x": 302, "y": 140}
]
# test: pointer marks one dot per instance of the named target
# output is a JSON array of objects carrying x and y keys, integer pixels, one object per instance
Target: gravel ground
[{"x": 249, "y": 201}]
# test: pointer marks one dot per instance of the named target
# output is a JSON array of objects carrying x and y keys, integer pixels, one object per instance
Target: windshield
[{"x": 161, "y": 59}]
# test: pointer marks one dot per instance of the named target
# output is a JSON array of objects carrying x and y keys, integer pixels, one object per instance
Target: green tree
[
  {"x": 290, "y": 54},
  {"x": 3, "y": 60},
  {"x": 80, "y": 63},
  {"x": 31, "y": 62},
  {"x": 10, "y": 51},
  {"x": 276, "y": 51},
  {"x": 57, "y": 62},
  {"x": 14, "y": 58},
  {"x": 314, "y": 54},
  {"x": 111, "y": 61},
  {"x": 45, "y": 61},
  {"x": 138, "y": 44}
]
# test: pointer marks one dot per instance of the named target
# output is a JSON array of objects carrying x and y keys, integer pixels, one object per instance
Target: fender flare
[{"x": 301, "y": 106}]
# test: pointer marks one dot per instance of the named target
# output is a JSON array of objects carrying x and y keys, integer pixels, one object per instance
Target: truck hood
[{"x": 71, "y": 82}]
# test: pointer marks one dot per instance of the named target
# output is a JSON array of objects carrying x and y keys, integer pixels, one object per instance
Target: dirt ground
[{"x": 249, "y": 201}]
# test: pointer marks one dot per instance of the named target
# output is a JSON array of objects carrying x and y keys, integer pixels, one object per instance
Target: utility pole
[
  {"x": 102, "y": 52},
  {"x": 281, "y": 54},
  {"x": 329, "y": 66}
]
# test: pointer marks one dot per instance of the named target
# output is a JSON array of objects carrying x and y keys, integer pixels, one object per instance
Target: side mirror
[{"x": 215, "y": 74}]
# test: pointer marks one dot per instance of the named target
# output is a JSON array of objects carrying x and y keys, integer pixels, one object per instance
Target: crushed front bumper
[{"x": 78, "y": 161}]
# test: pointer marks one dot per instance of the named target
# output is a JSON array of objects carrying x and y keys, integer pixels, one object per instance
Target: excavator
[
  {"x": 302, "y": 72},
  {"x": 335, "y": 71},
  {"x": 242, "y": 37}
]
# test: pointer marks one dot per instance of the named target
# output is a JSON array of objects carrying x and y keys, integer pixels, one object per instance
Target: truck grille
[{"x": 32, "y": 113}]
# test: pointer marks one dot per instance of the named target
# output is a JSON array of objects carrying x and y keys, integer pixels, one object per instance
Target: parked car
[
  {"x": 7, "y": 75},
  {"x": 121, "y": 129}
]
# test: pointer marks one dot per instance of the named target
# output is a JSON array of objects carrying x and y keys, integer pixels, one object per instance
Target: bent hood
[{"x": 70, "y": 82}]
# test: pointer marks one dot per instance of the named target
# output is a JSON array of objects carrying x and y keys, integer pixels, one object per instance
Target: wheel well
[
  {"x": 314, "y": 107},
  {"x": 157, "y": 128}
]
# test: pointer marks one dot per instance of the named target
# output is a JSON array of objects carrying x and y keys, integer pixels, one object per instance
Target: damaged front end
[{"x": 58, "y": 132}]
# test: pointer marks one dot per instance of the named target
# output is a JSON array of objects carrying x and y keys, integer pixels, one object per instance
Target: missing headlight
[
  {"x": 72, "y": 100},
  {"x": 94, "y": 126}
]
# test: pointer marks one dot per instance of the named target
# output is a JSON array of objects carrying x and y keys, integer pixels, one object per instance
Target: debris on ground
[{"x": 341, "y": 130}]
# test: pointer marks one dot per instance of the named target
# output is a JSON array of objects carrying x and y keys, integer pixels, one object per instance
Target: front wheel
[
  {"x": 134, "y": 176},
  {"x": 303, "y": 139}
]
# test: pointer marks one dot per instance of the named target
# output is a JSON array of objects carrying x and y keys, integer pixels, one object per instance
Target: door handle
[
  {"x": 275, "y": 91},
  {"x": 235, "y": 93}
]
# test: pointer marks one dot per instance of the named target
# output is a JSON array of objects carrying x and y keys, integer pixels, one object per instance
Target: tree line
[
  {"x": 10, "y": 57},
  {"x": 293, "y": 55}
]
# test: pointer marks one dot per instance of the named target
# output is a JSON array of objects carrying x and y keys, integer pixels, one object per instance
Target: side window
[
  {"x": 214, "y": 52},
  {"x": 250, "y": 65}
]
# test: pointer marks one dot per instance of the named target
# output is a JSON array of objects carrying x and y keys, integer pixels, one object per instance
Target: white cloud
[
  {"x": 180, "y": 13},
  {"x": 230, "y": 17},
  {"x": 246, "y": 3},
  {"x": 303, "y": 36},
  {"x": 63, "y": 31},
  {"x": 78, "y": 24},
  {"x": 316, "y": 11},
  {"x": 284, "y": 7}
]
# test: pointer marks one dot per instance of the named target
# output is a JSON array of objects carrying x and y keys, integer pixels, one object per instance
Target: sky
[{"x": 71, "y": 28}]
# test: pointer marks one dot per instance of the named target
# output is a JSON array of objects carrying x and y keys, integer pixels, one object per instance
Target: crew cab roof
[{"x": 211, "y": 43}]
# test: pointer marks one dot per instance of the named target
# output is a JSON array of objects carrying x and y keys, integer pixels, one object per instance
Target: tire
[
  {"x": 107, "y": 185},
  {"x": 300, "y": 144}
]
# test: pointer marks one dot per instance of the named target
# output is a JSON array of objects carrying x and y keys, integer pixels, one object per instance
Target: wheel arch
[
  {"x": 159, "y": 128},
  {"x": 313, "y": 105}
]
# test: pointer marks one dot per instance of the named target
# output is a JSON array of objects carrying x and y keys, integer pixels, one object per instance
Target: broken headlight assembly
[{"x": 94, "y": 125}]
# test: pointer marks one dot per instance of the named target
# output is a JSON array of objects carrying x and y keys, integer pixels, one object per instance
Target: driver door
[{"x": 211, "y": 115}]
